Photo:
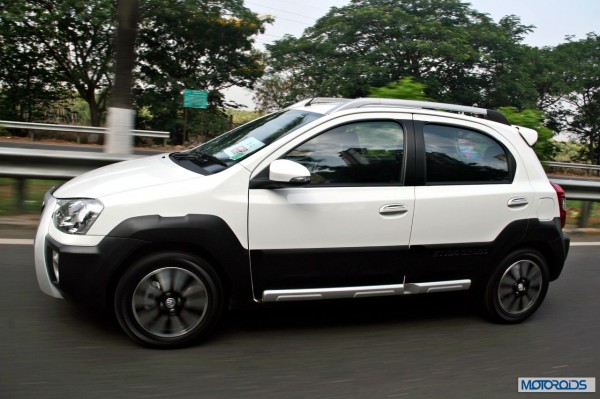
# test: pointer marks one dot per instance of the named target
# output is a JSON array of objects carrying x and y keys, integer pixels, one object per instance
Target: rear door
[
  {"x": 350, "y": 227},
  {"x": 472, "y": 193}
]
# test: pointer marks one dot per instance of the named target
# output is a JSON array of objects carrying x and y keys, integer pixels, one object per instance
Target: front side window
[
  {"x": 455, "y": 155},
  {"x": 370, "y": 152}
]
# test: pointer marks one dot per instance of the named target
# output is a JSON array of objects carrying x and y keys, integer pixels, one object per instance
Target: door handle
[
  {"x": 393, "y": 209},
  {"x": 517, "y": 201}
]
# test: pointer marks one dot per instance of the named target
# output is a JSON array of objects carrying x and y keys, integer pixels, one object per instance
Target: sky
[{"x": 553, "y": 19}]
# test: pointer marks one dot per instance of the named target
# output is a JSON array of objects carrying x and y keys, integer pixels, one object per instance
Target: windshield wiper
[{"x": 198, "y": 156}]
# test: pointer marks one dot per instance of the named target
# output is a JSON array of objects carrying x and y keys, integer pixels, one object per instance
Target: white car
[{"x": 330, "y": 198}]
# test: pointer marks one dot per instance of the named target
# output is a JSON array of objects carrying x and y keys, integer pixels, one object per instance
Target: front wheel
[
  {"x": 168, "y": 300},
  {"x": 517, "y": 287}
]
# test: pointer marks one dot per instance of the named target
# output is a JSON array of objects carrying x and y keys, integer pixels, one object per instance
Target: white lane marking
[
  {"x": 16, "y": 241},
  {"x": 585, "y": 244}
]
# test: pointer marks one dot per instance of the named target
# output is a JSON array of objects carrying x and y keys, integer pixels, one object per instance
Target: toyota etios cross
[{"x": 329, "y": 198}]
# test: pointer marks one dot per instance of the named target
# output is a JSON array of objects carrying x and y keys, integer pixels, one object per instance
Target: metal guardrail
[
  {"x": 584, "y": 190},
  {"x": 570, "y": 165},
  {"x": 79, "y": 129},
  {"x": 24, "y": 164},
  {"x": 574, "y": 168}
]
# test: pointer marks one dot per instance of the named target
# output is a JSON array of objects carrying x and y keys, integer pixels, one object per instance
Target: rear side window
[
  {"x": 455, "y": 155},
  {"x": 363, "y": 153}
]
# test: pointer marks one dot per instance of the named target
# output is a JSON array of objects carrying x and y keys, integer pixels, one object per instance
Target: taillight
[{"x": 562, "y": 203}]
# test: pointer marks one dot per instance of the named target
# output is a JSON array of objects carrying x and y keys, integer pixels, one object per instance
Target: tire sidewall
[
  {"x": 142, "y": 268},
  {"x": 492, "y": 304}
]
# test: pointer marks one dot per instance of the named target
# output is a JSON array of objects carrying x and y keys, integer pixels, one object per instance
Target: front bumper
[
  {"x": 81, "y": 273},
  {"x": 42, "y": 270}
]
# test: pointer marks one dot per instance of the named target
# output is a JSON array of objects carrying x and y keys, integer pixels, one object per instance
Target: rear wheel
[
  {"x": 517, "y": 287},
  {"x": 168, "y": 300}
]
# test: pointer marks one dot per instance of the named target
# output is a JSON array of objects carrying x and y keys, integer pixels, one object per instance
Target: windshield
[{"x": 235, "y": 145}]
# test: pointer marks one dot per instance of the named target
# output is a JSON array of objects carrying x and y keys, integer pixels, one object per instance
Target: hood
[{"x": 125, "y": 176}]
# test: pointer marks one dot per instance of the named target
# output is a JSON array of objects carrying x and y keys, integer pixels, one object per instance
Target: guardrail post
[
  {"x": 584, "y": 215},
  {"x": 20, "y": 186}
]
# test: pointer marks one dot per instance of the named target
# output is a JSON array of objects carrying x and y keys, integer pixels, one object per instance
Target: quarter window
[
  {"x": 359, "y": 153},
  {"x": 463, "y": 156}
]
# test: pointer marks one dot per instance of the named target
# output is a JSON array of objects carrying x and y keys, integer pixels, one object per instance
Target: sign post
[{"x": 193, "y": 99}]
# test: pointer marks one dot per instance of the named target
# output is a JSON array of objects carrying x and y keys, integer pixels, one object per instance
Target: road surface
[{"x": 411, "y": 347}]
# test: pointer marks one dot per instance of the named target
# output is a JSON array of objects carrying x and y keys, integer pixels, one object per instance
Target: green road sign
[{"x": 195, "y": 98}]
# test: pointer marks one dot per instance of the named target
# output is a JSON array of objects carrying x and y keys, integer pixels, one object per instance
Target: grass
[
  {"x": 574, "y": 212},
  {"x": 34, "y": 195}
]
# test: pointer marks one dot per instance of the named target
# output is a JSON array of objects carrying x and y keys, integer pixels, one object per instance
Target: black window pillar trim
[{"x": 419, "y": 154}]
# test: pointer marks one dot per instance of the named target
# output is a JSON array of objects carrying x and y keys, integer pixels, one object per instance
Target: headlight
[{"x": 76, "y": 216}]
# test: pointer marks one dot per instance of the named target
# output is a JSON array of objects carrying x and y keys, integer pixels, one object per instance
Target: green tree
[
  {"x": 276, "y": 91},
  {"x": 453, "y": 49},
  {"x": 194, "y": 44},
  {"x": 533, "y": 119},
  {"x": 76, "y": 39},
  {"x": 507, "y": 69},
  {"x": 181, "y": 44},
  {"x": 570, "y": 151},
  {"x": 406, "y": 88},
  {"x": 574, "y": 104},
  {"x": 27, "y": 86}
]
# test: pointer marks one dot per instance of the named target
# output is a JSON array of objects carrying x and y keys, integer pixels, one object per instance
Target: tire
[
  {"x": 168, "y": 300},
  {"x": 517, "y": 287}
]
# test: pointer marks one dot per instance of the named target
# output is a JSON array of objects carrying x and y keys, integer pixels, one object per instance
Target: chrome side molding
[{"x": 312, "y": 294}]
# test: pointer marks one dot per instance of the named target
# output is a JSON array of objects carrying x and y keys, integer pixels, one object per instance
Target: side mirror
[{"x": 290, "y": 172}]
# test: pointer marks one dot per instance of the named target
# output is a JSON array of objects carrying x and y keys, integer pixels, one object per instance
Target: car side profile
[{"x": 328, "y": 199}]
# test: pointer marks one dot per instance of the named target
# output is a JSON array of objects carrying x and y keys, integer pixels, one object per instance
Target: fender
[
  {"x": 88, "y": 274},
  {"x": 206, "y": 235}
]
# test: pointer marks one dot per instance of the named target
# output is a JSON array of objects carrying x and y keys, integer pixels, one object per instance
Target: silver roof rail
[
  {"x": 392, "y": 102},
  {"x": 307, "y": 102}
]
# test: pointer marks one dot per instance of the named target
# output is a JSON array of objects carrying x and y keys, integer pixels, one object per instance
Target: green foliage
[
  {"x": 34, "y": 195},
  {"x": 406, "y": 88},
  {"x": 533, "y": 119},
  {"x": 239, "y": 117},
  {"x": 27, "y": 86},
  {"x": 193, "y": 44},
  {"x": 63, "y": 46},
  {"x": 568, "y": 151},
  {"x": 574, "y": 103},
  {"x": 454, "y": 50},
  {"x": 75, "y": 40},
  {"x": 277, "y": 91}
]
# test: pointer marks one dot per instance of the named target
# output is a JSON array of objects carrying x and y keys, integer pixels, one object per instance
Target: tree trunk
[
  {"x": 120, "y": 114},
  {"x": 95, "y": 112}
]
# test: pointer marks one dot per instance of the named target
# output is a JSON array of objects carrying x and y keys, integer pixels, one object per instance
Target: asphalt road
[{"x": 415, "y": 347}]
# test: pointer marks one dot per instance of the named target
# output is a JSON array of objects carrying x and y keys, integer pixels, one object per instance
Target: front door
[{"x": 350, "y": 227}]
